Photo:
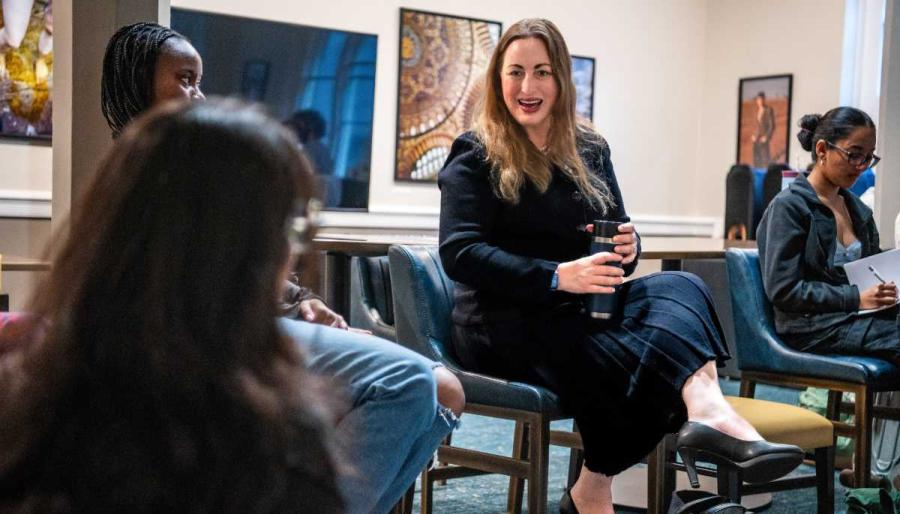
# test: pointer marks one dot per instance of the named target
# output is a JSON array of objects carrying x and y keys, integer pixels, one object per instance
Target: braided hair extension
[{"x": 128, "y": 68}]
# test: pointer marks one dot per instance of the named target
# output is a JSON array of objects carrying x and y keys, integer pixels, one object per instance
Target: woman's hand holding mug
[
  {"x": 591, "y": 274},
  {"x": 626, "y": 241}
]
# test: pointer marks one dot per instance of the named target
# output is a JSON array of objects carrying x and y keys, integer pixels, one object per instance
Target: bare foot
[
  {"x": 592, "y": 493},
  {"x": 732, "y": 424},
  {"x": 705, "y": 404}
]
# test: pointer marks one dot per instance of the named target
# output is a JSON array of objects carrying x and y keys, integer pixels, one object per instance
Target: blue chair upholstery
[
  {"x": 423, "y": 301},
  {"x": 761, "y": 349},
  {"x": 763, "y": 357}
]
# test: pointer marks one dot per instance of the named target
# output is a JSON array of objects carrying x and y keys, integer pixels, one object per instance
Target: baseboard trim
[{"x": 23, "y": 203}]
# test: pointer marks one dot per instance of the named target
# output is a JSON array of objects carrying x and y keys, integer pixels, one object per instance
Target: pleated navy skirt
[{"x": 621, "y": 378}]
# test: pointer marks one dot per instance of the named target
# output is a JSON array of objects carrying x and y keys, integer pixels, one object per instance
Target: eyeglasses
[
  {"x": 301, "y": 229},
  {"x": 857, "y": 159}
]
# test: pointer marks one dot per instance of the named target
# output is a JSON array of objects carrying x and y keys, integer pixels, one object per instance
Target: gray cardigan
[{"x": 796, "y": 239}]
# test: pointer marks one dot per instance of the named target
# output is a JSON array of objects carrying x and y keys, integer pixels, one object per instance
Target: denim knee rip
[{"x": 452, "y": 421}]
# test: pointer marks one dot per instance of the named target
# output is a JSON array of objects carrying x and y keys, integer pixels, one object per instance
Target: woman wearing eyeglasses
[{"x": 814, "y": 227}]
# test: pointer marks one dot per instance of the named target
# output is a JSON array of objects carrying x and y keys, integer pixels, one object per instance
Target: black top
[
  {"x": 796, "y": 238},
  {"x": 503, "y": 255}
]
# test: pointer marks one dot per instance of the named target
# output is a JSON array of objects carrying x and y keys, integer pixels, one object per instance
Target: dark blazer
[
  {"x": 797, "y": 239},
  {"x": 502, "y": 255}
]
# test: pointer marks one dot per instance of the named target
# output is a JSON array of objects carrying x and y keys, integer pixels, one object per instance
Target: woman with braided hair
[{"x": 146, "y": 64}]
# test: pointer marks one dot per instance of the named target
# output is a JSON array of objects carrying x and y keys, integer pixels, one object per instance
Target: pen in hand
[{"x": 875, "y": 272}]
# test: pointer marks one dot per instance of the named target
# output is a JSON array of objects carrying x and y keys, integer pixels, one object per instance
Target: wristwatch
[{"x": 554, "y": 282}]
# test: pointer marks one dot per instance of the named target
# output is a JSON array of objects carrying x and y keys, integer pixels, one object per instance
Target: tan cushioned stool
[{"x": 783, "y": 423}]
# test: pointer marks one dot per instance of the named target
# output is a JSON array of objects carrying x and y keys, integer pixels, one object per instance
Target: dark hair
[
  {"x": 833, "y": 126},
  {"x": 307, "y": 124},
  {"x": 160, "y": 381},
  {"x": 129, "y": 64},
  {"x": 761, "y": 94}
]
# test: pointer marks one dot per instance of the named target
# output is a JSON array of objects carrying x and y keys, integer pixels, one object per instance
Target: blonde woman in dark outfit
[{"x": 516, "y": 195}]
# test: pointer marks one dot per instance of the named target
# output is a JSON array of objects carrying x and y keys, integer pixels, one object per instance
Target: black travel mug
[{"x": 603, "y": 306}]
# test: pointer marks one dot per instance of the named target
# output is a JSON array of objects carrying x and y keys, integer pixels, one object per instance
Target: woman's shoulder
[
  {"x": 788, "y": 202},
  {"x": 593, "y": 147},
  {"x": 787, "y": 212},
  {"x": 467, "y": 159},
  {"x": 469, "y": 142}
]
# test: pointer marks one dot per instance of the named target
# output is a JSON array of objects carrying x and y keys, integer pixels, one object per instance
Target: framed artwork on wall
[
  {"x": 26, "y": 69},
  {"x": 583, "y": 76},
  {"x": 442, "y": 61},
  {"x": 764, "y": 116}
]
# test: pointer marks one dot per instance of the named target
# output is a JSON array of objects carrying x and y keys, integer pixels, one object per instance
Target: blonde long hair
[{"x": 516, "y": 160}]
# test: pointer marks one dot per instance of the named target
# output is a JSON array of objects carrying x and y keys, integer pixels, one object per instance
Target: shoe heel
[{"x": 688, "y": 457}]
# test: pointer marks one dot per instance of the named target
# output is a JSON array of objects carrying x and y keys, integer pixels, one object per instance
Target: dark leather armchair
[
  {"x": 423, "y": 301},
  {"x": 739, "y": 202},
  {"x": 763, "y": 357},
  {"x": 371, "y": 304}
]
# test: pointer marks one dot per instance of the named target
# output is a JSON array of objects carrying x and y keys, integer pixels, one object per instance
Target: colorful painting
[
  {"x": 26, "y": 68},
  {"x": 441, "y": 81},
  {"x": 764, "y": 116},
  {"x": 583, "y": 77}
]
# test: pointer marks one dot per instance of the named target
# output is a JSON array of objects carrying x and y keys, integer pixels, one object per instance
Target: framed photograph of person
[
  {"x": 764, "y": 116},
  {"x": 583, "y": 76},
  {"x": 440, "y": 82},
  {"x": 26, "y": 69}
]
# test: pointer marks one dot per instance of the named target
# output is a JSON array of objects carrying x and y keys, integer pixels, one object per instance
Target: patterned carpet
[{"x": 487, "y": 494}]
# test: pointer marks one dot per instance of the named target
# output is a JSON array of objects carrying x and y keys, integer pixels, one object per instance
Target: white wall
[
  {"x": 887, "y": 191},
  {"x": 765, "y": 37},
  {"x": 667, "y": 75},
  {"x": 648, "y": 82},
  {"x": 25, "y": 166}
]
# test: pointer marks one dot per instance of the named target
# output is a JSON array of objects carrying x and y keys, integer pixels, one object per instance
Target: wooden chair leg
[
  {"x": 748, "y": 388},
  {"x": 519, "y": 452},
  {"x": 404, "y": 506},
  {"x": 825, "y": 480},
  {"x": 576, "y": 460},
  {"x": 538, "y": 458},
  {"x": 729, "y": 484},
  {"x": 410, "y": 497},
  {"x": 862, "y": 455},
  {"x": 660, "y": 476},
  {"x": 833, "y": 407},
  {"x": 427, "y": 496},
  {"x": 448, "y": 441}
]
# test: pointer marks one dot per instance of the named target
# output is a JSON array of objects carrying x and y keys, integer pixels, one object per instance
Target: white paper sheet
[{"x": 887, "y": 264}]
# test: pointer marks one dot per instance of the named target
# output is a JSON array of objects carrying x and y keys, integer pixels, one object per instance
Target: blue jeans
[{"x": 395, "y": 422}]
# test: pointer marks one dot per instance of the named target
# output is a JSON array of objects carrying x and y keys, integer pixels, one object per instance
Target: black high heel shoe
[
  {"x": 758, "y": 461},
  {"x": 567, "y": 504}
]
